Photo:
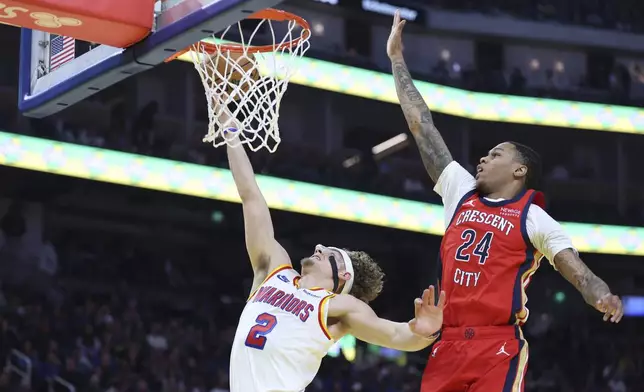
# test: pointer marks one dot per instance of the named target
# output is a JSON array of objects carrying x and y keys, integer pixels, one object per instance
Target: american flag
[{"x": 62, "y": 50}]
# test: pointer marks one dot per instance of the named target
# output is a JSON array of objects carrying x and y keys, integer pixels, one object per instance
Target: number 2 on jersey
[
  {"x": 257, "y": 335},
  {"x": 481, "y": 250}
]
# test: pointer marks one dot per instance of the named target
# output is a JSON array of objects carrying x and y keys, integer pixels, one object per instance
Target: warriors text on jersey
[
  {"x": 281, "y": 337},
  {"x": 487, "y": 261}
]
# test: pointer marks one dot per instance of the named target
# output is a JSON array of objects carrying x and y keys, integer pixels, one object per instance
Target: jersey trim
[
  {"x": 439, "y": 272},
  {"x": 270, "y": 275},
  {"x": 502, "y": 203},
  {"x": 322, "y": 315},
  {"x": 459, "y": 204},
  {"x": 317, "y": 289},
  {"x": 522, "y": 315},
  {"x": 526, "y": 270},
  {"x": 518, "y": 366},
  {"x": 296, "y": 283}
]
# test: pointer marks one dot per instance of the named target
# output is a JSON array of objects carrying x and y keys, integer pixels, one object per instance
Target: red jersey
[{"x": 487, "y": 261}]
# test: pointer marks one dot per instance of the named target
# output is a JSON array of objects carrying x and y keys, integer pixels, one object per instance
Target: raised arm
[
  {"x": 594, "y": 290},
  {"x": 358, "y": 319},
  {"x": 433, "y": 149},
  {"x": 264, "y": 251}
]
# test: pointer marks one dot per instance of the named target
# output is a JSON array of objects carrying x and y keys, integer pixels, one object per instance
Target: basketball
[{"x": 236, "y": 68}]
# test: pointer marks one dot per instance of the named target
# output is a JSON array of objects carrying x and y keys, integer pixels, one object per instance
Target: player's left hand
[
  {"x": 394, "y": 43},
  {"x": 611, "y": 306},
  {"x": 428, "y": 314}
]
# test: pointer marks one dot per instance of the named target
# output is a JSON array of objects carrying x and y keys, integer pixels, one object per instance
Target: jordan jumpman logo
[{"x": 502, "y": 350}]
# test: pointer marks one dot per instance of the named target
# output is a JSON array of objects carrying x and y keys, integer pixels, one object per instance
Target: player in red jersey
[{"x": 497, "y": 232}]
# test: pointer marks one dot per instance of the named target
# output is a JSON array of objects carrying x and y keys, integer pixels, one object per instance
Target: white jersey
[{"x": 281, "y": 337}]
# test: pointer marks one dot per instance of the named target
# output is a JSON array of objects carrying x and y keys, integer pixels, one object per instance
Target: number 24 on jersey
[{"x": 481, "y": 250}]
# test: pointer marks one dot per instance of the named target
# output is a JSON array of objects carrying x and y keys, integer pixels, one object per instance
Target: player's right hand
[{"x": 394, "y": 43}]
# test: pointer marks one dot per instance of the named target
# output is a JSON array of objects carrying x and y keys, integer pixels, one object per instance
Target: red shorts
[{"x": 477, "y": 359}]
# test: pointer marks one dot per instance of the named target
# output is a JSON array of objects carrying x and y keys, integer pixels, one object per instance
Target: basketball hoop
[{"x": 244, "y": 82}]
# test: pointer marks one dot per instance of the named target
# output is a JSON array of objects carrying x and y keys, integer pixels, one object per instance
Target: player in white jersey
[{"x": 291, "y": 320}]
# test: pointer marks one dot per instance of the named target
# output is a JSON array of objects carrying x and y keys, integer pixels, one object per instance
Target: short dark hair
[
  {"x": 532, "y": 160},
  {"x": 368, "y": 276}
]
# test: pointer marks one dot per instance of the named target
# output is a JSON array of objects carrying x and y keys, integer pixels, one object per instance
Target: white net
[{"x": 244, "y": 89}]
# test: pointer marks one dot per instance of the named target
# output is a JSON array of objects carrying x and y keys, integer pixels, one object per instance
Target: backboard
[{"x": 45, "y": 89}]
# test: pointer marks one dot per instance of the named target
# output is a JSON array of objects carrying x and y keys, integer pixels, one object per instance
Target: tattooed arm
[
  {"x": 432, "y": 147},
  {"x": 594, "y": 290},
  {"x": 433, "y": 150}
]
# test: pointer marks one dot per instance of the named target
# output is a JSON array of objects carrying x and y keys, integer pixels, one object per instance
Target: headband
[{"x": 348, "y": 266}]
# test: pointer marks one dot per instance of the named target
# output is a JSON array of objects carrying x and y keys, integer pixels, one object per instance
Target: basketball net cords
[{"x": 261, "y": 102}]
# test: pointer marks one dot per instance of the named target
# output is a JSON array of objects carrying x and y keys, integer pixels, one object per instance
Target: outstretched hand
[
  {"x": 611, "y": 306},
  {"x": 394, "y": 43},
  {"x": 428, "y": 314}
]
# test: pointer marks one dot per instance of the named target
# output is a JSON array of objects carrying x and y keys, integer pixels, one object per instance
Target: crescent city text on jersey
[
  {"x": 494, "y": 220},
  {"x": 471, "y": 218}
]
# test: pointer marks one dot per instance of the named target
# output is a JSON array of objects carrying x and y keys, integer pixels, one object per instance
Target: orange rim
[{"x": 270, "y": 14}]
